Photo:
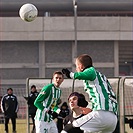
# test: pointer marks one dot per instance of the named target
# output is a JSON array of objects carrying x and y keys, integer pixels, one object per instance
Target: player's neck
[{"x": 77, "y": 112}]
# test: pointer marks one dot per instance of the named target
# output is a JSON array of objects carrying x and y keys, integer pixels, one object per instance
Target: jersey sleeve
[
  {"x": 2, "y": 105},
  {"x": 87, "y": 74},
  {"x": 16, "y": 105},
  {"x": 44, "y": 93}
]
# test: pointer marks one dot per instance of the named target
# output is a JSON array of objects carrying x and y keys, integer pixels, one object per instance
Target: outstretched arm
[{"x": 87, "y": 74}]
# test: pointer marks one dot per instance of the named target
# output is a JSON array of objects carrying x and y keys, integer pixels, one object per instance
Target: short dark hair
[
  {"x": 85, "y": 60},
  {"x": 81, "y": 99},
  {"x": 9, "y": 89},
  {"x": 58, "y": 72},
  {"x": 33, "y": 86},
  {"x": 79, "y": 95}
]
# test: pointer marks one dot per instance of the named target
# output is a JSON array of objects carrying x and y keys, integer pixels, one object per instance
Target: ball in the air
[{"x": 28, "y": 12}]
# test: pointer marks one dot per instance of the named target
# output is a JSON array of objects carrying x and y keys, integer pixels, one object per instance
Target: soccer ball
[{"x": 28, "y": 12}]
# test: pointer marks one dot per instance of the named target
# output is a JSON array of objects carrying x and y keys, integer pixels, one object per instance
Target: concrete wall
[
  {"x": 62, "y": 28},
  {"x": 36, "y": 49}
]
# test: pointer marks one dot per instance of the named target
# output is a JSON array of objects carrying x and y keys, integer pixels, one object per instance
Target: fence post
[
  {"x": 122, "y": 105},
  {"x": 28, "y": 120}
]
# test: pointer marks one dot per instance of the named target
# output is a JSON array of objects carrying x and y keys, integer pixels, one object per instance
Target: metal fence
[{"x": 122, "y": 86}]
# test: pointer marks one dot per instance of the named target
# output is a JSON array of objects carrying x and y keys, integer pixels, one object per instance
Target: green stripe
[
  {"x": 39, "y": 113},
  {"x": 54, "y": 94},
  {"x": 45, "y": 117},
  {"x": 103, "y": 91},
  {"x": 92, "y": 93},
  {"x": 49, "y": 98}
]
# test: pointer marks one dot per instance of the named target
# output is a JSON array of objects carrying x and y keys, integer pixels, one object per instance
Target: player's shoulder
[
  {"x": 4, "y": 97},
  {"x": 90, "y": 69},
  {"x": 47, "y": 87},
  {"x": 14, "y": 96},
  {"x": 68, "y": 119}
]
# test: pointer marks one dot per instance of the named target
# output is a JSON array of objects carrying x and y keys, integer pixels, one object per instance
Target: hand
[
  {"x": 53, "y": 114},
  {"x": 66, "y": 72}
]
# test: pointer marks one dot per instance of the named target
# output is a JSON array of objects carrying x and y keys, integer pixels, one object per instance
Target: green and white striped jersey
[
  {"x": 47, "y": 99},
  {"x": 99, "y": 89}
]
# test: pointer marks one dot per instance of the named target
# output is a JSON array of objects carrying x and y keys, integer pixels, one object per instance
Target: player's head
[
  {"x": 64, "y": 106},
  {"x": 58, "y": 78},
  {"x": 83, "y": 61},
  {"x": 33, "y": 88},
  {"x": 76, "y": 100},
  {"x": 9, "y": 91}
]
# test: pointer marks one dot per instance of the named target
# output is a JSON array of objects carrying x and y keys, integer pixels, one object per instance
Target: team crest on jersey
[
  {"x": 55, "y": 99},
  {"x": 54, "y": 103}
]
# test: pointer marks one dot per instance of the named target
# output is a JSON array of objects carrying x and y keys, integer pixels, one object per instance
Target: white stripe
[
  {"x": 101, "y": 96},
  {"x": 72, "y": 75},
  {"x": 1, "y": 105}
]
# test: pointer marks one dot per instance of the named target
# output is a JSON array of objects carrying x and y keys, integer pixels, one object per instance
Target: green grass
[{"x": 21, "y": 126}]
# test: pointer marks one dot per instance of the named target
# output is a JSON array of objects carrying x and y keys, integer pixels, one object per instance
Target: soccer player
[
  {"x": 75, "y": 100},
  {"x": 47, "y": 105},
  {"x": 103, "y": 117}
]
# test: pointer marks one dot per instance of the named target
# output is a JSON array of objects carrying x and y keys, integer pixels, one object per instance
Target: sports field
[{"x": 21, "y": 126}]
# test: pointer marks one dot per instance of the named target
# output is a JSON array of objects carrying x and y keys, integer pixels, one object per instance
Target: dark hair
[
  {"x": 74, "y": 94},
  {"x": 9, "y": 89},
  {"x": 33, "y": 86},
  {"x": 64, "y": 104},
  {"x": 58, "y": 72},
  {"x": 81, "y": 99},
  {"x": 85, "y": 60}
]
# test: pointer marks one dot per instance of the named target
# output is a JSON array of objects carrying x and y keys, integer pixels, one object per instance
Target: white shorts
[
  {"x": 45, "y": 127},
  {"x": 97, "y": 121}
]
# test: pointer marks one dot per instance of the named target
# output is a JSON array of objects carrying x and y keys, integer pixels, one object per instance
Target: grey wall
[
  {"x": 62, "y": 28},
  {"x": 38, "y": 48}
]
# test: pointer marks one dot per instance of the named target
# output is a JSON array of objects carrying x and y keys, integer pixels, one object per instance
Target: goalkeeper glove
[{"x": 66, "y": 72}]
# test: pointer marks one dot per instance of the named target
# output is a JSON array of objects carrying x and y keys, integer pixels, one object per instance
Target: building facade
[{"x": 54, "y": 39}]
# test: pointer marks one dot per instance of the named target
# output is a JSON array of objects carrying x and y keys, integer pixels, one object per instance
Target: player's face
[
  {"x": 57, "y": 80},
  {"x": 79, "y": 67},
  {"x": 10, "y": 92},
  {"x": 73, "y": 102},
  {"x": 33, "y": 89}
]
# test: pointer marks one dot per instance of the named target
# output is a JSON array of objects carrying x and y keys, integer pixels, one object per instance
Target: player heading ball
[{"x": 103, "y": 100}]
